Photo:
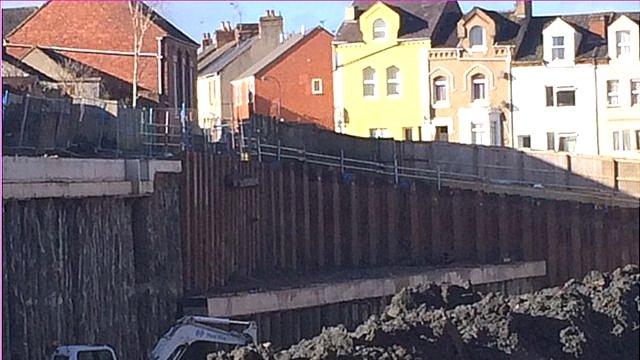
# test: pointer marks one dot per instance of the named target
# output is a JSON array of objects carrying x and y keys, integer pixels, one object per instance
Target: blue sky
[{"x": 197, "y": 17}]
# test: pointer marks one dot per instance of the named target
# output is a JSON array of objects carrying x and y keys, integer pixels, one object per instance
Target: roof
[
  {"x": 160, "y": 21},
  {"x": 508, "y": 27},
  {"x": 591, "y": 46},
  {"x": 11, "y": 18},
  {"x": 8, "y": 58},
  {"x": 224, "y": 56},
  {"x": 418, "y": 20}
]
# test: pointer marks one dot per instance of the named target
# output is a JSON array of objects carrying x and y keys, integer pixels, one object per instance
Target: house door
[{"x": 442, "y": 133}]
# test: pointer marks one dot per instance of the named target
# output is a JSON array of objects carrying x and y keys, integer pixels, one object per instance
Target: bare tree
[{"x": 141, "y": 18}]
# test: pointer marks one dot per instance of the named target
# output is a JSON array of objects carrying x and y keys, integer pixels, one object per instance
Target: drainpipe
[
  {"x": 160, "y": 74},
  {"x": 595, "y": 80}
]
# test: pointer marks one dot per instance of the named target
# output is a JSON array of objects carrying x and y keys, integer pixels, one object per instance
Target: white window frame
[
  {"x": 440, "y": 81},
  {"x": 562, "y": 47},
  {"x": 315, "y": 81},
  {"x": 394, "y": 81},
  {"x": 613, "y": 95},
  {"x": 477, "y": 133},
  {"x": 371, "y": 82},
  {"x": 635, "y": 92},
  {"x": 568, "y": 135},
  {"x": 484, "y": 83},
  {"x": 521, "y": 141},
  {"x": 483, "y": 43},
  {"x": 615, "y": 145},
  {"x": 623, "y": 44},
  {"x": 558, "y": 89},
  {"x": 379, "y": 133},
  {"x": 379, "y": 26}
]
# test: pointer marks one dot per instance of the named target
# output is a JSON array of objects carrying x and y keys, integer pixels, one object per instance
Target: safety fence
[{"x": 90, "y": 127}]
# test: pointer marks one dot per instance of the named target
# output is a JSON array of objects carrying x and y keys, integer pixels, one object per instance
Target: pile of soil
[{"x": 595, "y": 318}]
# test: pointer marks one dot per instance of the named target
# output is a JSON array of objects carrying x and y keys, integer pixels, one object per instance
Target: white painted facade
[
  {"x": 605, "y": 118},
  {"x": 619, "y": 91},
  {"x": 559, "y": 124},
  {"x": 209, "y": 106}
]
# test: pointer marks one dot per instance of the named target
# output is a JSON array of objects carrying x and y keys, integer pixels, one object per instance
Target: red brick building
[
  {"x": 293, "y": 82},
  {"x": 99, "y": 34}
]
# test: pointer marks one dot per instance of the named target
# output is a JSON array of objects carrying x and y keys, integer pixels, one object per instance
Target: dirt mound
[{"x": 595, "y": 318}]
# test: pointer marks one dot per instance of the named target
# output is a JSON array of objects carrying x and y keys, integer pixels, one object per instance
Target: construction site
[{"x": 335, "y": 247}]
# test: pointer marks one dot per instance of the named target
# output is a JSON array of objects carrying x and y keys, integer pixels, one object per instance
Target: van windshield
[{"x": 95, "y": 355}]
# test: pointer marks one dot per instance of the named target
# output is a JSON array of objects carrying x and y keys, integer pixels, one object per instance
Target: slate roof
[
  {"x": 11, "y": 18},
  {"x": 591, "y": 46},
  {"x": 224, "y": 56},
  {"x": 418, "y": 20}
]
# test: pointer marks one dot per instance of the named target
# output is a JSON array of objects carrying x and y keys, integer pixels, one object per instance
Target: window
[
  {"x": 637, "y": 139},
  {"x": 524, "y": 141},
  {"x": 477, "y": 132},
  {"x": 616, "y": 140},
  {"x": 612, "y": 93},
  {"x": 626, "y": 140},
  {"x": 212, "y": 92},
  {"x": 316, "y": 86},
  {"x": 378, "y": 133},
  {"x": 623, "y": 43},
  {"x": 566, "y": 97},
  {"x": 440, "y": 90},
  {"x": 368, "y": 81},
  {"x": 549, "y": 95},
  {"x": 476, "y": 36},
  {"x": 442, "y": 133},
  {"x": 551, "y": 141},
  {"x": 393, "y": 81},
  {"x": 567, "y": 143},
  {"x": 379, "y": 29},
  {"x": 478, "y": 87},
  {"x": 557, "y": 48},
  {"x": 408, "y": 133},
  {"x": 635, "y": 92}
]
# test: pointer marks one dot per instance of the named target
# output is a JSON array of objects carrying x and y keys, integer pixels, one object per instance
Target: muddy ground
[{"x": 593, "y": 318}]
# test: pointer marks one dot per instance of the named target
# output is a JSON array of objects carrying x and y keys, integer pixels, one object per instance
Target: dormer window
[
  {"x": 557, "y": 48},
  {"x": 623, "y": 43},
  {"x": 476, "y": 36},
  {"x": 379, "y": 29}
]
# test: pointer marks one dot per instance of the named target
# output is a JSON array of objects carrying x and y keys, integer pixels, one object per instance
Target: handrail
[{"x": 286, "y": 152}]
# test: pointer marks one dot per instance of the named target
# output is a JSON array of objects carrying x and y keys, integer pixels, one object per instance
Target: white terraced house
[{"x": 574, "y": 85}]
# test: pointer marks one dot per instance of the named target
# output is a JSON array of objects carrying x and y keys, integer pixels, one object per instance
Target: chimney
[
  {"x": 350, "y": 13},
  {"x": 224, "y": 35},
  {"x": 598, "y": 25},
  {"x": 206, "y": 40},
  {"x": 270, "y": 28},
  {"x": 523, "y": 9}
]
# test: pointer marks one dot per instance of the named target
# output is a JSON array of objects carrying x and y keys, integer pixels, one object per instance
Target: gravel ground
[{"x": 593, "y": 318}]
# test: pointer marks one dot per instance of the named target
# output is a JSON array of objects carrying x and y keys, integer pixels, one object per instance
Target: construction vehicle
[{"x": 174, "y": 343}]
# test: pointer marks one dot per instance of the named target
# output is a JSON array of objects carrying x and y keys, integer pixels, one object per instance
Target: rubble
[{"x": 593, "y": 318}]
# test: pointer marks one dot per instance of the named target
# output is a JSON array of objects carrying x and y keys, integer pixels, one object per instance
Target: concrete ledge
[
  {"x": 40, "y": 177},
  {"x": 341, "y": 291}
]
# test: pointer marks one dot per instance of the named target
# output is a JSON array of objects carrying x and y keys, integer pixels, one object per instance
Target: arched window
[
  {"x": 476, "y": 36},
  {"x": 440, "y": 90},
  {"x": 393, "y": 81},
  {"x": 478, "y": 87},
  {"x": 379, "y": 29},
  {"x": 368, "y": 81}
]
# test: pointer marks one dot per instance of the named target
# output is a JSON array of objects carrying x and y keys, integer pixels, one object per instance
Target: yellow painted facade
[{"x": 358, "y": 114}]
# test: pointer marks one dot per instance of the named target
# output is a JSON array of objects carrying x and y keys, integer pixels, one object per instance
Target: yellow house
[{"x": 381, "y": 79}]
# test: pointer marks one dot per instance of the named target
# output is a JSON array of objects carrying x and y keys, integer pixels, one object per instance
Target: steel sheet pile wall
[
  {"x": 303, "y": 219},
  {"x": 91, "y": 270}
]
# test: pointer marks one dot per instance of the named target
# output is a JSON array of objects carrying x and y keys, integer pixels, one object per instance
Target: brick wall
[
  {"x": 306, "y": 61},
  {"x": 103, "y": 26}
]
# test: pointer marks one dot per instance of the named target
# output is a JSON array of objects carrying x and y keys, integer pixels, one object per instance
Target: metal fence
[{"x": 88, "y": 127}]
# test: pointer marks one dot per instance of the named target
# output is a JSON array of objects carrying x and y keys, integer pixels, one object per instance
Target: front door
[{"x": 442, "y": 133}]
